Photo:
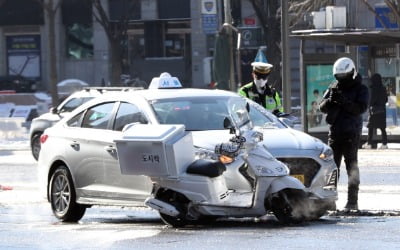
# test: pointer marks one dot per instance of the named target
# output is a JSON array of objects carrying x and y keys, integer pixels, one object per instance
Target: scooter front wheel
[
  {"x": 173, "y": 221},
  {"x": 290, "y": 206}
]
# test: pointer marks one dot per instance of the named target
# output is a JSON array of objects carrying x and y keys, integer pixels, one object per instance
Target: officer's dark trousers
[{"x": 346, "y": 146}]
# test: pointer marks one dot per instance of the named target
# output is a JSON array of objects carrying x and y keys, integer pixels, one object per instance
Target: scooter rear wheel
[{"x": 179, "y": 202}]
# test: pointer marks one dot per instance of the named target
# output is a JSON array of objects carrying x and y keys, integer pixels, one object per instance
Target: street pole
[
  {"x": 228, "y": 20},
  {"x": 286, "y": 81}
]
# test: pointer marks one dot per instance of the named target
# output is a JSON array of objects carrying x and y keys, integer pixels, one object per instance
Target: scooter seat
[{"x": 206, "y": 168}]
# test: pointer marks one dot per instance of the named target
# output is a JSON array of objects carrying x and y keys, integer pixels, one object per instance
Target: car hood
[{"x": 274, "y": 139}]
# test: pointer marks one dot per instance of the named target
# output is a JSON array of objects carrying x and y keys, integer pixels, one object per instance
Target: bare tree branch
[
  {"x": 101, "y": 16},
  {"x": 394, "y": 7},
  {"x": 298, "y": 9},
  {"x": 257, "y": 4},
  {"x": 370, "y": 8}
]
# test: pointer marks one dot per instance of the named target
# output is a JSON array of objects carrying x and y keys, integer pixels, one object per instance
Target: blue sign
[
  {"x": 386, "y": 16},
  {"x": 210, "y": 23}
]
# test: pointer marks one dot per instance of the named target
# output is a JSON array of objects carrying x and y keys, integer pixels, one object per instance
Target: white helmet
[{"x": 343, "y": 68}]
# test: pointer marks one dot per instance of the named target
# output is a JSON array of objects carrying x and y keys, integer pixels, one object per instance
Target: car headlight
[{"x": 326, "y": 154}]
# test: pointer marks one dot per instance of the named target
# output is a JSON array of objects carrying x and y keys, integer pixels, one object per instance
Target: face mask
[{"x": 260, "y": 83}]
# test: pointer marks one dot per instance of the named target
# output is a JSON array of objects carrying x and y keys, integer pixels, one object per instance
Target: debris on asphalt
[{"x": 5, "y": 188}]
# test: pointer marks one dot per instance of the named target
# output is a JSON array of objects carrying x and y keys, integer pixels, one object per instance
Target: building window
[
  {"x": 77, "y": 18},
  {"x": 173, "y": 9},
  {"x": 21, "y": 12},
  {"x": 124, "y": 10},
  {"x": 163, "y": 39},
  {"x": 79, "y": 41}
]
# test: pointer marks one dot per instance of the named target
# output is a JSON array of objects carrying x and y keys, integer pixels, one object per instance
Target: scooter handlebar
[{"x": 228, "y": 149}]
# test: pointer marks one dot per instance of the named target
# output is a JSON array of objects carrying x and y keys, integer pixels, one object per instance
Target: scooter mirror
[{"x": 227, "y": 123}]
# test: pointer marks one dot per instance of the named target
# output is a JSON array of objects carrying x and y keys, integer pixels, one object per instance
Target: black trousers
[
  {"x": 346, "y": 146},
  {"x": 372, "y": 131}
]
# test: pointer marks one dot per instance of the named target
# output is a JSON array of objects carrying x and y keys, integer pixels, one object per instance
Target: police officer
[
  {"x": 259, "y": 91},
  {"x": 344, "y": 102}
]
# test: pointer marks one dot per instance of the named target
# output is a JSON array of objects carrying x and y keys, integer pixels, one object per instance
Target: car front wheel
[
  {"x": 35, "y": 145},
  {"x": 63, "y": 198}
]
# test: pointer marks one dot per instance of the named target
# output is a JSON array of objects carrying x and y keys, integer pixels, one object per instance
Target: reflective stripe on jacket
[{"x": 270, "y": 102}]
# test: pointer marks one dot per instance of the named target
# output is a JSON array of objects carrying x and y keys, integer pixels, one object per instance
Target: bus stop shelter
[{"x": 316, "y": 69}]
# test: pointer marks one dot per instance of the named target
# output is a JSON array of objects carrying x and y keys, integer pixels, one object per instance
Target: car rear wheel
[
  {"x": 35, "y": 145},
  {"x": 63, "y": 198}
]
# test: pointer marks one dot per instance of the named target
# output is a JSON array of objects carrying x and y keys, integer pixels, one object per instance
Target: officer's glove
[
  {"x": 337, "y": 97},
  {"x": 278, "y": 113}
]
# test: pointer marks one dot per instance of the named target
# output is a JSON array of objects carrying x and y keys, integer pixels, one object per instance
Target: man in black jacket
[
  {"x": 344, "y": 102},
  {"x": 377, "y": 112}
]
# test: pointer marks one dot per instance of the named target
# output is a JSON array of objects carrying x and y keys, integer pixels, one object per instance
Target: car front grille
[{"x": 302, "y": 166}]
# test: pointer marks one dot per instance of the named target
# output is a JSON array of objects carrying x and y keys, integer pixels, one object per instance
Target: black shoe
[{"x": 351, "y": 207}]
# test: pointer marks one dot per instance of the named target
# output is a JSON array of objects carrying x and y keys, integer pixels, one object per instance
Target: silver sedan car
[{"x": 78, "y": 163}]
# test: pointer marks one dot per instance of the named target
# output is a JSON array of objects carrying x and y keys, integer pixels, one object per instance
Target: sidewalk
[{"x": 16, "y": 144}]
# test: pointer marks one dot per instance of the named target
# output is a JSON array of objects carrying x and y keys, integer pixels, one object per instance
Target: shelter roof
[{"x": 350, "y": 36}]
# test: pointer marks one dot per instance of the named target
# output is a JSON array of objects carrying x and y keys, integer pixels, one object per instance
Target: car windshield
[
  {"x": 208, "y": 113},
  {"x": 196, "y": 113},
  {"x": 73, "y": 104}
]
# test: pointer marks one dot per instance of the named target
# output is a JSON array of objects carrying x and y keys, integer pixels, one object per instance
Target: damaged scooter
[{"x": 190, "y": 187}]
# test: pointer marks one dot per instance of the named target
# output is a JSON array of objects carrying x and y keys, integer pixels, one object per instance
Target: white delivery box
[
  {"x": 155, "y": 150},
  {"x": 335, "y": 17}
]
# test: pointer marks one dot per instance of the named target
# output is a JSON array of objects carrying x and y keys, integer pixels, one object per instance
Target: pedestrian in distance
[
  {"x": 377, "y": 112},
  {"x": 391, "y": 108},
  {"x": 260, "y": 91},
  {"x": 344, "y": 102}
]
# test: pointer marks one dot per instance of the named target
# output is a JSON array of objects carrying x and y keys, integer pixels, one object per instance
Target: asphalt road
[{"x": 26, "y": 221}]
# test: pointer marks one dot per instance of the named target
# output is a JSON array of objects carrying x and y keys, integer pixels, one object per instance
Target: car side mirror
[{"x": 53, "y": 110}]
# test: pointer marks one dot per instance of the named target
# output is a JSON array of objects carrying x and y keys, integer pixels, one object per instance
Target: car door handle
[
  {"x": 111, "y": 149},
  {"x": 75, "y": 145}
]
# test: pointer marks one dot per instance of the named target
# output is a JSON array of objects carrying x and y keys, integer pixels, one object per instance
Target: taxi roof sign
[{"x": 165, "y": 81}]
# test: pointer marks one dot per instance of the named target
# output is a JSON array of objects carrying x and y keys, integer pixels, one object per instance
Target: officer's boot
[{"x": 352, "y": 198}]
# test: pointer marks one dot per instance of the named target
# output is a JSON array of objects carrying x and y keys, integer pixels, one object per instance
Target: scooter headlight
[
  {"x": 226, "y": 159},
  {"x": 326, "y": 154},
  {"x": 202, "y": 153}
]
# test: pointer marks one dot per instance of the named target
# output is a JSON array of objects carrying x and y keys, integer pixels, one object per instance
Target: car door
[
  {"x": 85, "y": 153},
  {"x": 124, "y": 187}
]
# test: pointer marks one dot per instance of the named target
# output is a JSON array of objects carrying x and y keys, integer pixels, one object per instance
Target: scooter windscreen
[{"x": 238, "y": 110}]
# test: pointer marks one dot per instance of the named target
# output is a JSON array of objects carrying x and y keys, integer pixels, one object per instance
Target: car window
[
  {"x": 196, "y": 113},
  {"x": 76, "y": 120},
  {"x": 98, "y": 116},
  {"x": 74, "y": 103},
  {"x": 128, "y": 113}
]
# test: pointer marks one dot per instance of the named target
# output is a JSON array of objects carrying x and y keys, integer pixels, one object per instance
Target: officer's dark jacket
[{"x": 346, "y": 118}]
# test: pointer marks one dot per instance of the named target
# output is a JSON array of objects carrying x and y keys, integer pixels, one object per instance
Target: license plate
[{"x": 300, "y": 177}]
